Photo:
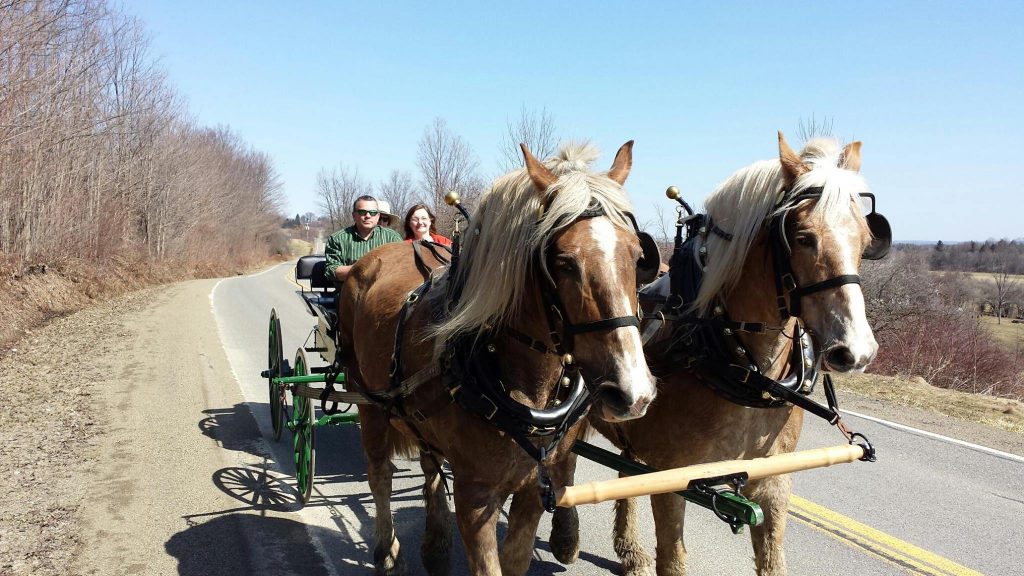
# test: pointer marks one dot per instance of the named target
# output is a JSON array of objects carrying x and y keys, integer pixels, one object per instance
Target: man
[{"x": 346, "y": 246}]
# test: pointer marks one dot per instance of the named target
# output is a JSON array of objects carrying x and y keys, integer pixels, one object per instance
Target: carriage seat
[
  {"x": 322, "y": 291},
  {"x": 312, "y": 268}
]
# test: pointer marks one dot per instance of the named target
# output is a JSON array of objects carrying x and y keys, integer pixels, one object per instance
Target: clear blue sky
[{"x": 935, "y": 90}]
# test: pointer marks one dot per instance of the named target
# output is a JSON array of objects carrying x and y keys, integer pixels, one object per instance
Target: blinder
[
  {"x": 650, "y": 262},
  {"x": 881, "y": 232}
]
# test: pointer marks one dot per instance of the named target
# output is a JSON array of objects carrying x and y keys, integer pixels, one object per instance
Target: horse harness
[
  {"x": 470, "y": 369},
  {"x": 711, "y": 346}
]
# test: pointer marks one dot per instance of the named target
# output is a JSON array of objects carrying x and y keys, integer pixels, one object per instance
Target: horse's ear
[
  {"x": 540, "y": 175},
  {"x": 792, "y": 166},
  {"x": 622, "y": 164},
  {"x": 850, "y": 158}
]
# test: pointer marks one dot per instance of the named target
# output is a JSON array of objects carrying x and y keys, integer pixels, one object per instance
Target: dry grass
[
  {"x": 987, "y": 276},
  {"x": 299, "y": 247},
  {"x": 1009, "y": 335},
  {"x": 34, "y": 296},
  {"x": 1001, "y": 413}
]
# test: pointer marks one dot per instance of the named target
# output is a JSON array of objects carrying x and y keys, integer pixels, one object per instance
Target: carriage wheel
[
  {"x": 304, "y": 441},
  {"x": 276, "y": 367}
]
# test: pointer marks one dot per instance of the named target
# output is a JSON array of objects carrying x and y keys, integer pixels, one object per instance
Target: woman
[{"x": 419, "y": 225}]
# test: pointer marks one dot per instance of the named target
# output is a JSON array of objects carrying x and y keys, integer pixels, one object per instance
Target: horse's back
[{"x": 372, "y": 299}]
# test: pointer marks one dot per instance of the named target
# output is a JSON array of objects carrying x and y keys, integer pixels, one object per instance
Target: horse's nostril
[
  {"x": 841, "y": 358},
  {"x": 613, "y": 397}
]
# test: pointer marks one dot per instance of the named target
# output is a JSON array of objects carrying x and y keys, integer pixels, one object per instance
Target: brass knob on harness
[
  {"x": 452, "y": 198},
  {"x": 567, "y": 360},
  {"x": 672, "y": 193}
]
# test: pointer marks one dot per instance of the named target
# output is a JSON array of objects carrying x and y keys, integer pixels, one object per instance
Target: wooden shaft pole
[{"x": 680, "y": 478}]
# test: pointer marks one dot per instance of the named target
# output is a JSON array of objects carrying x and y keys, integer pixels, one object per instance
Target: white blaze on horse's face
[
  {"x": 836, "y": 316},
  {"x": 595, "y": 270}
]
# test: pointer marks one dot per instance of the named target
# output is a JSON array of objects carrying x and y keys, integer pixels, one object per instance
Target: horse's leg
[
  {"x": 773, "y": 496},
  {"x": 523, "y": 517},
  {"x": 565, "y": 522},
  {"x": 437, "y": 539},
  {"x": 668, "y": 529},
  {"x": 635, "y": 561},
  {"x": 476, "y": 512},
  {"x": 373, "y": 423}
]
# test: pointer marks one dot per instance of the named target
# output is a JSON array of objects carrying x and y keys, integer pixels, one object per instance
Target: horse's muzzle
[{"x": 615, "y": 405}]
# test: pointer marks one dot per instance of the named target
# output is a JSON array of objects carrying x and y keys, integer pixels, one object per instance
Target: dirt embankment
[{"x": 34, "y": 294}]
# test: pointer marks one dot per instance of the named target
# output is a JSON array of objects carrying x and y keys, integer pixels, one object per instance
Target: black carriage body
[{"x": 322, "y": 301}]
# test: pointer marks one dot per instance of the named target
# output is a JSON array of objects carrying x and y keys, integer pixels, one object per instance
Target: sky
[{"x": 935, "y": 90}]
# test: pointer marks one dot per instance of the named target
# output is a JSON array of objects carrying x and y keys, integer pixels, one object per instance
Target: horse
[
  {"x": 543, "y": 293},
  {"x": 790, "y": 228}
]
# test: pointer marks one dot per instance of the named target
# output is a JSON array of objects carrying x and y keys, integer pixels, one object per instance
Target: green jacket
[{"x": 345, "y": 246}]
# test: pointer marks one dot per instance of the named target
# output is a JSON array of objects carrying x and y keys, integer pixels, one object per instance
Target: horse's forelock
[{"x": 502, "y": 239}]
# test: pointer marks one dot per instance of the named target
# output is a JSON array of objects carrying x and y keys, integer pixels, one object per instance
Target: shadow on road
[
  {"x": 245, "y": 544},
  {"x": 234, "y": 429},
  {"x": 243, "y": 540}
]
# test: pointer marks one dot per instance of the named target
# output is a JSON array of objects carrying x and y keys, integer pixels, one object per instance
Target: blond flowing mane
[
  {"x": 742, "y": 204},
  {"x": 502, "y": 239}
]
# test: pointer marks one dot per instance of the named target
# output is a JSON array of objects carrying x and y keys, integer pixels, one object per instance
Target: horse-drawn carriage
[{"x": 469, "y": 349}]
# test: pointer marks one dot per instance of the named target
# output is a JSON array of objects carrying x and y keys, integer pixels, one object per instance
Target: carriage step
[
  {"x": 320, "y": 369},
  {"x": 265, "y": 374},
  {"x": 315, "y": 349}
]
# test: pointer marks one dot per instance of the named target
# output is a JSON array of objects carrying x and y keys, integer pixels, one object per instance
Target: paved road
[{"x": 927, "y": 507}]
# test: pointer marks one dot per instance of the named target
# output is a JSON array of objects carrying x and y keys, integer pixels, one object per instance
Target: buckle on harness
[{"x": 789, "y": 282}]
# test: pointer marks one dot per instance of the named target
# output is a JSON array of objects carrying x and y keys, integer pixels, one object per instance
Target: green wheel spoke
[
  {"x": 276, "y": 368},
  {"x": 303, "y": 442}
]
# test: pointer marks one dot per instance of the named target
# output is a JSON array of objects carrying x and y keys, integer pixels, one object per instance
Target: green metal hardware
[
  {"x": 340, "y": 418},
  {"x": 746, "y": 511},
  {"x": 306, "y": 379}
]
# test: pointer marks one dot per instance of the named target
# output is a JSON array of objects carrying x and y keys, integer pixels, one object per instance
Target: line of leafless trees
[
  {"x": 99, "y": 158},
  {"x": 988, "y": 256},
  {"x": 444, "y": 162}
]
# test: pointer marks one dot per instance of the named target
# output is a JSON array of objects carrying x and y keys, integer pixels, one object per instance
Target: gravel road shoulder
[{"x": 131, "y": 450}]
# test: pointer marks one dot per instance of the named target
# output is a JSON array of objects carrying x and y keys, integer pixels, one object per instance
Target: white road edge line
[
  {"x": 977, "y": 447},
  {"x": 317, "y": 543}
]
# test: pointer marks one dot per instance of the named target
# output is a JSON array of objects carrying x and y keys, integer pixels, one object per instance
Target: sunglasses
[{"x": 362, "y": 212}]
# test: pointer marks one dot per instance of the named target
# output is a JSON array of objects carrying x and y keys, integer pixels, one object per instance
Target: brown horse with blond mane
[
  {"x": 548, "y": 263},
  {"x": 799, "y": 216}
]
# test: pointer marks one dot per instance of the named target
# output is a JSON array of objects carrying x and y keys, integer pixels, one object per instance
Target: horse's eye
[
  {"x": 566, "y": 264},
  {"x": 806, "y": 240}
]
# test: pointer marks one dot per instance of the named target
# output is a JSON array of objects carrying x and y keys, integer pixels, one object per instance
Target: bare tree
[
  {"x": 337, "y": 190},
  {"x": 534, "y": 128},
  {"x": 812, "y": 128},
  {"x": 1007, "y": 289},
  {"x": 399, "y": 190},
  {"x": 98, "y": 159},
  {"x": 446, "y": 162},
  {"x": 898, "y": 289}
]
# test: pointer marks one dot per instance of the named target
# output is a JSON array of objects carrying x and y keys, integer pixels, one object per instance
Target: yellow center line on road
[{"x": 913, "y": 559}]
